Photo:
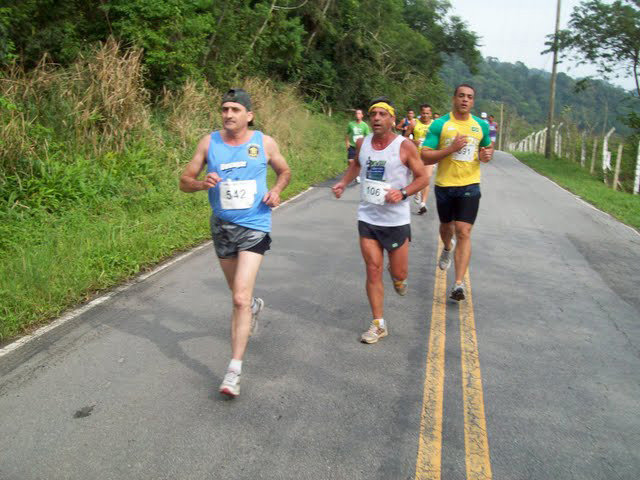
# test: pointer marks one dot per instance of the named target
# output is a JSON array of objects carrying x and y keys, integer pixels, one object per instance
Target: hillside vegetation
[
  {"x": 339, "y": 52},
  {"x": 525, "y": 92},
  {"x": 102, "y": 104},
  {"x": 89, "y": 175}
]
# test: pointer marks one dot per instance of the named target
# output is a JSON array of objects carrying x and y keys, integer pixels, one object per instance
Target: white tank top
[{"x": 383, "y": 166}]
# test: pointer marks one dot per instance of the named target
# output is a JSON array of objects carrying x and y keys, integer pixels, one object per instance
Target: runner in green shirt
[{"x": 356, "y": 129}]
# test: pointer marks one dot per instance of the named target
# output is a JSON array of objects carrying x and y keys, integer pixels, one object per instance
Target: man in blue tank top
[
  {"x": 384, "y": 215},
  {"x": 236, "y": 160}
]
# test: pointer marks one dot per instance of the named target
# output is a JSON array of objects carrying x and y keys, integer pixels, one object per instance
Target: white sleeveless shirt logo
[{"x": 384, "y": 166}]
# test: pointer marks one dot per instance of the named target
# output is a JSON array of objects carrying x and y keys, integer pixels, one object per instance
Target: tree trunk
[
  {"x": 212, "y": 40},
  {"x": 315, "y": 30},
  {"x": 256, "y": 36}
]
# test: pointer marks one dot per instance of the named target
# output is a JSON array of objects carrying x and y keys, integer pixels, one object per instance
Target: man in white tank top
[{"x": 384, "y": 215}]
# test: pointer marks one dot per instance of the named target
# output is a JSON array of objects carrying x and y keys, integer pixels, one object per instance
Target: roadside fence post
[
  {"x": 593, "y": 155},
  {"x": 617, "y": 171},
  {"x": 636, "y": 184},
  {"x": 606, "y": 155}
]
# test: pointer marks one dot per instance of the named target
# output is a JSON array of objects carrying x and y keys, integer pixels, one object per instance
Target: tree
[{"x": 607, "y": 35}]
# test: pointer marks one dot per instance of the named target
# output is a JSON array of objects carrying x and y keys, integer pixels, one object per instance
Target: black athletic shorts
[
  {"x": 351, "y": 153},
  {"x": 229, "y": 239},
  {"x": 458, "y": 203},
  {"x": 389, "y": 237}
]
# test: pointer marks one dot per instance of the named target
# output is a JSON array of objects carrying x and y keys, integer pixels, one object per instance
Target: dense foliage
[
  {"x": 607, "y": 35},
  {"x": 339, "y": 52}
]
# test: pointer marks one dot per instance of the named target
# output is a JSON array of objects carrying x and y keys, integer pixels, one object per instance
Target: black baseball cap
[{"x": 238, "y": 95}]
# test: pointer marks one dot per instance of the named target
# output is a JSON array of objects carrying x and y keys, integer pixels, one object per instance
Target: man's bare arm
[
  {"x": 409, "y": 131},
  {"x": 189, "y": 179},
  {"x": 486, "y": 153},
  {"x": 431, "y": 157},
  {"x": 280, "y": 166},
  {"x": 409, "y": 156}
]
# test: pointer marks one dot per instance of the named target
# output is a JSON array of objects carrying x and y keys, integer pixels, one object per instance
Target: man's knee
[
  {"x": 241, "y": 300},
  {"x": 447, "y": 227},
  {"x": 463, "y": 231},
  {"x": 399, "y": 272},
  {"x": 374, "y": 271}
]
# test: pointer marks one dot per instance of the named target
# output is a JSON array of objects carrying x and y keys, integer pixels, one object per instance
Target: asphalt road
[{"x": 128, "y": 390}]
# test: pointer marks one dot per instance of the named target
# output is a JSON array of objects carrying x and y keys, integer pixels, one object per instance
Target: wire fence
[{"x": 568, "y": 142}]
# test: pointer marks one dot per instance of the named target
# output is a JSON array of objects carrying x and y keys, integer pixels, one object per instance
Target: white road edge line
[
  {"x": 103, "y": 298},
  {"x": 576, "y": 196}
]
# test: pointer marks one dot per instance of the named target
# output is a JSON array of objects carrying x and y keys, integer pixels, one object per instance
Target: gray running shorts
[{"x": 230, "y": 238}]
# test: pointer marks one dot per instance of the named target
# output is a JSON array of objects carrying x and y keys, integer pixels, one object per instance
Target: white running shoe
[
  {"x": 400, "y": 286},
  {"x": 457, "y": 292},
  {"x": 417, "y": 198},
  {"x": 445, "y": 257},
  {"x": 374, "y": 334},
  {"x": 230, "y": 386},
  {"x": 256, "y": 308},
  {"x": 358, "y": 179}
]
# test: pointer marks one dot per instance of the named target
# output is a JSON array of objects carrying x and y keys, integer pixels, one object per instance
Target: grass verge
[
  {"x": 624, "y": 206},
  {"x": 89, "y": 172},
  {"x": 51, "y": 261}
]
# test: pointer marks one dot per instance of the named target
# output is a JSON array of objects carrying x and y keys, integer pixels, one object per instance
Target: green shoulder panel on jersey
[
  {"x": 486, "y": 140},
  {"x": 432, "y": 140}
]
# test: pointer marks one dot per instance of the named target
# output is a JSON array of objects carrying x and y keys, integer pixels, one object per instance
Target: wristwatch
[{"x": 404, "y": 193}]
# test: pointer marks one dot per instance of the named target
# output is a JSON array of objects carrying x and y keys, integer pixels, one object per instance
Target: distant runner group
[{"x": 390, "y": 168}]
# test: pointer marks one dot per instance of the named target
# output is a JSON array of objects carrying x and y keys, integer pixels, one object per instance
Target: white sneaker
[
  {"x": 445, "y": 257},
  {"x": 417, "y": 198},
  {"x": 374, "y": 334},
  {"x": 358, "y": 179},
  {"x": 400, "y": 286},
  {"x": 230, "y": 386},
  {"x": 255, "y": 311},
  {"x": 457, "y": 292}
]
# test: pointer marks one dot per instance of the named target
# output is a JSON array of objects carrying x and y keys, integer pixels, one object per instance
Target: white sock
[
  {"x": 235, "y": 365},
  {"x": 422, "y": 204},
  {"x": 379, "y": 322}
]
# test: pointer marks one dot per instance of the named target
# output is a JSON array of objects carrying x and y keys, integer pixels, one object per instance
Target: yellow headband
[{"x": 384, "y": 105}]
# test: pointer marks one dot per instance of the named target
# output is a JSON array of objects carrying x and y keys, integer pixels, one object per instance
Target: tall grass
[
  {"x": 94, "y": 107},
  {"x": 89, "y": 170}
]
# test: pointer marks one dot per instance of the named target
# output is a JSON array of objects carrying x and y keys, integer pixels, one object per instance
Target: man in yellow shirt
[
  {"x": 457, "y": 142},
  {"x": 419, "y": 129}
]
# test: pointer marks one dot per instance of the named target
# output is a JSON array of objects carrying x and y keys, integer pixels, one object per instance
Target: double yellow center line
[{"x": 429, "y": 461}]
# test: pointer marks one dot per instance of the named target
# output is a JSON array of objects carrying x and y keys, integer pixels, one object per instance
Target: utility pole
[{"x": 552, "y": 95}]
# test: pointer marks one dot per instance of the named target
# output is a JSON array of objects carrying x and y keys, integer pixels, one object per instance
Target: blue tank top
[{"x": 242, "y": 162}]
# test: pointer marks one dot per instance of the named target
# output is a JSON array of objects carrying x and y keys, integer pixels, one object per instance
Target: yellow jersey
[
  {"x": 420, "y": 130},
  {"x": 462, "y": 167}
]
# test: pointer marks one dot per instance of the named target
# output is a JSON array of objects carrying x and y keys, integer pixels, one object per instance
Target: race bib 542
[{"x": 237, "y": 195}]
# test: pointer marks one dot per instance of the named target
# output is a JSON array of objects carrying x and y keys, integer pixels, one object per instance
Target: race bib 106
[
  {"x": 237, "y": 195},
  {"x": 374, "y": 191}
]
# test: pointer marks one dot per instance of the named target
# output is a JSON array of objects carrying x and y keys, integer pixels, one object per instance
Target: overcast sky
[{"x": 515, "y": 30}]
